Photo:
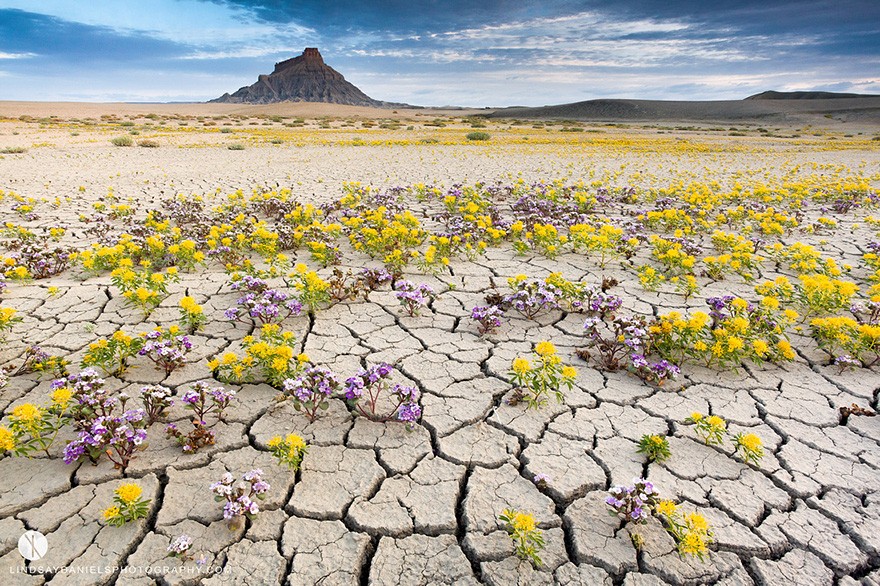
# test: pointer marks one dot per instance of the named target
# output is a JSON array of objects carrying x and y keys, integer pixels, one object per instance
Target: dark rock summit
[{"x": 302, "y": 79}]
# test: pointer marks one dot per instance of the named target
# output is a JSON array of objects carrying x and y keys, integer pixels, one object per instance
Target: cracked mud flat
[{"x": 375, "y": 504}]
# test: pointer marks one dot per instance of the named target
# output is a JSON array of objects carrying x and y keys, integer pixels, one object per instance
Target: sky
[{"x": 431, "y": 53}]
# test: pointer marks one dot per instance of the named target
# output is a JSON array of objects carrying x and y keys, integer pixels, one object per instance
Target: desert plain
[{"x": 380, "y": 503}]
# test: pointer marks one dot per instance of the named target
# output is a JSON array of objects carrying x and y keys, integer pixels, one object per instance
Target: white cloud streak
[{"x": 16, "y": 55}]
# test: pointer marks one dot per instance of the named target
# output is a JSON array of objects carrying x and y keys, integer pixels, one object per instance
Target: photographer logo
[{"x": 32, "y": 545}]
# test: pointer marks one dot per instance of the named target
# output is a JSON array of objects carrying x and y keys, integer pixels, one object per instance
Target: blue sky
[{"x": 471, "y": 53}]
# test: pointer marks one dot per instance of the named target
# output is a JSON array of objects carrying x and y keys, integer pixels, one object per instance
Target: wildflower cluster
[
  {"x": 192, "y": 315},
  {"x": 239, "y": 497},
  {"x": 737, "y": 256},
  {"x": 156, "y": 400},
  {"x": 413, "y": 297},
  {"x": 311, "y": 390},
  {"x": 850, "y": 342},
  {"x": 111, "y": 354},
  {"x": 345, "y": 286},
  {"x": 117, "y": 436},
  {"x": 654, "y": 447},
  {"x": 7, "y": 319},
  {"x": 35, "y": 359},
  {"x": 676, "y": 255},
  {"x": 488, "y": 318},
  {"x": 364, "y": 390},
  {"x": 713, "y": 429},
  {"x": 165, "y": 349},
  {"x": 143, "y": 289},
  {"x": 691, "y": 531},
  {"x": 545, "y": 375},
  {"x": 289, "y": 450},
  {"x": 531, "y": 297},
  {"x": 636, "y": 504},
  {"x": 623, "y": 342},
  {"x": 607, "y": 241},
  {"x": 101, "y": 428},
  {"x": 528, "y": 540},
  {"x": 34, "y": 428},
  {"x": 128, "y": 505},
  {"x": 260, "y": 304},
  {"x": 733, "y": 331},
  {"x": 38, "y": 259},
  {"x": 204, "y": 401},
  {"x": 815, "y": 294},
  {"x": 312, "y": 290},
  {"x": 804, "y": 259},
  {"x": 271, "y": 354},
  {"x": 179, "y": 547},
  {"x": 385, "y": 235}
]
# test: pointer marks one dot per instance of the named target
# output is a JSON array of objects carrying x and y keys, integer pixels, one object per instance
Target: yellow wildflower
[
  {"x": 698, "y": 320},
  {"x": 62, "y": 396},
  {"x": 785, "y": 347},
  {"x": 523, "y": 522},
  {"x": 666, "y": 508},
  {"x": 521, "y": 365},
  {"x": 715, "y": 421},
  {"x": 7, "y": 440},
  {"x": 27, "y": 413},
  {"x": 697, "y": 522},
  {"x": 189, "y": 304},
  {"x": 770, "y": 302},
  {"x": 295, "y": 442},
  {"x": 751, "y": 442},
  {"x": 693, "y": 544},
  {"x": 545, "y": 349},
  {"x": 760, "y": 347},
  {"x": 129, "y": 493}
]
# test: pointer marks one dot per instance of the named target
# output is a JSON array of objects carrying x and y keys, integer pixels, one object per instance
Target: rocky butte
[{"x": 303, "y": 79}]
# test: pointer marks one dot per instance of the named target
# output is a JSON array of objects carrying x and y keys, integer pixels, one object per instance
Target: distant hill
[
  {"x": 303, "y": 79},
  {"x": 864, "y": 109},
  {"x": 773, "y": 95}
]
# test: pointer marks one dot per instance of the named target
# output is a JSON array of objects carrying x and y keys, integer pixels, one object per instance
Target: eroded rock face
[{"x": 301, "y": 79}]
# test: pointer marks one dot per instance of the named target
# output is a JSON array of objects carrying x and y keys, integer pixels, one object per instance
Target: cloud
[
  {"x": 493, "y": 52},
  {"x": 434, "y": 56},
  {"x": 4, "y": 55},
  {"x": 51, "y": 40},
  {"x": 239, "y": 53}
]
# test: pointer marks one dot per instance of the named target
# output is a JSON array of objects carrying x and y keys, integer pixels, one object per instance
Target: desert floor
[{"x": 375, "y": 503}]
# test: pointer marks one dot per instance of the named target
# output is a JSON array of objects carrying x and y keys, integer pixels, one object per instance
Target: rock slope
[{"x": 301, "y": 79}]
